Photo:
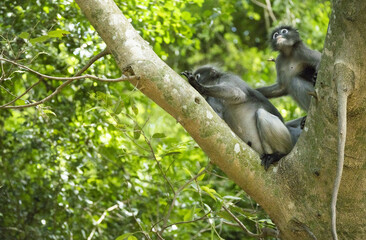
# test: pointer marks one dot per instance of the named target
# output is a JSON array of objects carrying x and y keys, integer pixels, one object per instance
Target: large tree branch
[{"x": 164, "y": 86}]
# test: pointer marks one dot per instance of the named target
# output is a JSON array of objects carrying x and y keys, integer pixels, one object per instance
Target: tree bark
[{"x": 296, "y": 193}]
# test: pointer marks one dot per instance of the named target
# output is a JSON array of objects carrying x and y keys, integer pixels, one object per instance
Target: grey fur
[
  {"x": 247, "y": 112},
  {"x": 296, "y": 67}
]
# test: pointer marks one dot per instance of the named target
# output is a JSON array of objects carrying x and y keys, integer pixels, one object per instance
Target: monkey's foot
[
  {"x": 268, "y": 159},
  {"x": 315, "y": 76},
  {"x": 303, "y": 121}
]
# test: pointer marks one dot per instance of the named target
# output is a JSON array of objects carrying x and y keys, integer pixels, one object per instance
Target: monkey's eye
[
  {"x": 275, "y": 35},
  {"x": 198, "y": 76},
  {"x": 284, "y": 31}
]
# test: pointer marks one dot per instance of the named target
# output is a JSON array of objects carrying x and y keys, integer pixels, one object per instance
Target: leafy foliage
[{"x": 101, "y": 160}]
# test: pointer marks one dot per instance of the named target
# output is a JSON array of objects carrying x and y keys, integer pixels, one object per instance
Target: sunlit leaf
[
  {"x": 209, "y": 191},
  {"x": 188, "y": 216},
  {"x": 136, "y": 132},
  {"x": 24, "y": 35},
  {"x": 131, "y": 238},
  {"x": 49, "y": 112},
  {"x": 124, "y": 236},
  {"x": 38, "y": 39},
  {"x": 158, "y": 135},
  {"x": 135, "y": 109},
  {"x": 118, "y": 107},
  {"x": 58, "y": 33}
]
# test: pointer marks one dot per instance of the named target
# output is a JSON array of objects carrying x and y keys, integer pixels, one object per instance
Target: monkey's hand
[
  {"x": 187, "y": 74},
  {"x": 268, "y": 159},
  {"x": 193, "y": 81}
]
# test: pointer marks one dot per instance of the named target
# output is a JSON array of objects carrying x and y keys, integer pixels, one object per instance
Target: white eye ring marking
[
  {"x": 284, "y": 31},
  {"x": 198, "y": 76},
  {"x": 275, "y": 35}
]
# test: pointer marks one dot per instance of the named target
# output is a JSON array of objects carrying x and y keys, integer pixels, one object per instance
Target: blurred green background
[{"x": 101, "y": 160}]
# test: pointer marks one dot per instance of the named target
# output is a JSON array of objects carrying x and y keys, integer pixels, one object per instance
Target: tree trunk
[{"x": 297, "y": 192}]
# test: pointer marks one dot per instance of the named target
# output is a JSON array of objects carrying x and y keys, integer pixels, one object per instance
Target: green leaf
[
  {"x": 136, "y": 132},
  {"x": 202, "y": 176},
  {"x": 58, "y": 33},
  {"x": 19, "y": 9},
  {"x": 188, "y": 215},
  {"x": 46, "y": 9},
  {"x": 24, "y": 35},
  {"x": 166, "y": 38},
  {"x": 170, "y": 153},
  {"x": 158, "y": 135},
  {"x": 38, "y": 39},
  {"x": 135, "y": 109},
  {"x": 131, "y": 238},
  {"x": 210, "y": 192},
  {"x": 187, "y": 171},
  {"x": 118, "y": 107},
  {"x": 49, "y": 112},
  {"x": 225, "y": 215},
  {"x": 124, "y": 236}
]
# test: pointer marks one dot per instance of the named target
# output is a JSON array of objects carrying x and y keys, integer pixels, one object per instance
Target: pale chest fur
[{"x": 287, "y": 68}]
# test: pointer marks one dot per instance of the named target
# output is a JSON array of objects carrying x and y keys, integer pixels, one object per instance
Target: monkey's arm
[
  {"x": 225, "y": 91},
  {"x": 275, "y": 90}
]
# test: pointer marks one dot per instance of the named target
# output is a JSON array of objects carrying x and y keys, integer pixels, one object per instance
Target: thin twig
[
  {"x": 267, "y": 7},
  {"x": 68, "y": 80},
  {"x": 101, "y": 220},
  {"x": 159, "y": 236},
  {"x": 92, "y": 60},
  {"x": 122, "y": 78},
  {"x": 270, "y": 10},
  {"x": 147, "y": 236},
  {"x": 191, "y": 221},
  {"x": 177, "y": 193},
  {"x": 262, "y": 5},
  {"x": 21, "y": 95},
  {"x": 12, "y": 229},
  {"x": 246, "y": 230},
  {"x": 148, "y": 142}
]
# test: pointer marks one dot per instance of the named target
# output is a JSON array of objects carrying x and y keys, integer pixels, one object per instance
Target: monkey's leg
[
  {"x": 275, "y": 137},
  {"x": 295, "y": 128}
]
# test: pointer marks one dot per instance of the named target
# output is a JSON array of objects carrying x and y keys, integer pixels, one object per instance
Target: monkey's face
[{"x": 284, "y": 37}]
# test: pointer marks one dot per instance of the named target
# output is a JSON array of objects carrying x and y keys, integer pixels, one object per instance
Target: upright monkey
[{"x": 296, "y": 67}]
